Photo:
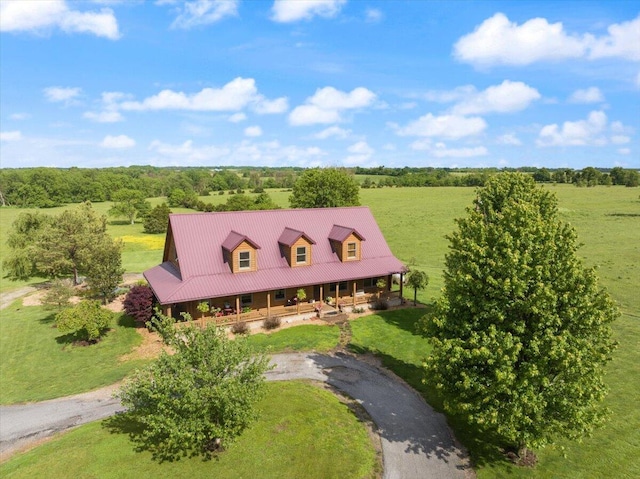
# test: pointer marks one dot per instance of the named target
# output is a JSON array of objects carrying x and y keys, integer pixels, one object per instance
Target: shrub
[
  {"x": 58, "y": 294},
  {"x": 358, "y": 310},
  {"x": 87, "y": 319},
  {"x": 240, "y": 328},
  {"x": 381, "y": 305},
  {"x": 139, "y": 304},
  {"x": 272, "y": 322}
]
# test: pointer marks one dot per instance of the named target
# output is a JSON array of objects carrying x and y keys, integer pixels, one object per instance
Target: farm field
[{"x": 415, "y": 222}]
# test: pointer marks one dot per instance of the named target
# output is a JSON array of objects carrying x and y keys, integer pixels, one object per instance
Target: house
[{"x": 258, "y": 260}]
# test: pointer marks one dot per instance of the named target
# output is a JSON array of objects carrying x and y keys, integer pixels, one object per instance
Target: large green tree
[
  {"x": 54, "y": 246},
  {"x": 521, "y": 333},
  {"x": 199, "y": 399},
  {"x": 324, "y": 188},
  {"x": 157, "y": 219},
  {"x": 104, "y": 267},
  {"x": 129, "y": 203}
]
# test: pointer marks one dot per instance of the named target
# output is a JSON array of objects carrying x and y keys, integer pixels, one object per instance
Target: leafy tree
[
  {"x": 198, "y": 400},
  {"x": 104, "y": 267},
  {"x": 323, "y": 188},
  {"x": 301, "y": 295},
  {"x": 418, "y": 280},
  {"x": 54, "y": 246},
  {"x": 138, "y": 303},
  {"x": 157, "y": 219},
  {"x": 87, "y": 319},
  {"x": 521, "y": 333},
  {"x": 129, "y": 203},
  {"x": 204, "y": 308},
  {"x": 58, "y": 294}
]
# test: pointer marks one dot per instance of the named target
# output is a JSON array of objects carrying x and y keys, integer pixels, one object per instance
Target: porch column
[
  {"x": 237, "y": 308},
  {"x": 268, "y": 304},
  {"x": 167, "y": 310},
  {"x": 337, "y": 294},
  {"x": 355, "y": 287},
  {"x": 401, "y": 281},
  {"x": 321, "y": 296}
]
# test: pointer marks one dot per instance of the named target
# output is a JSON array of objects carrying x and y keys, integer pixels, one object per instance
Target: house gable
[
  {"x": 240, "y": 253},
  {"x": 346, "y": 243},
  {"x": 295, "y": 247}
]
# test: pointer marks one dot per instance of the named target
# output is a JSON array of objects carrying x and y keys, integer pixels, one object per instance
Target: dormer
[
  {"x": 240, "y": 253},
  {"x": 295, "y": 246},
  {"x": 346, "y": 242}
]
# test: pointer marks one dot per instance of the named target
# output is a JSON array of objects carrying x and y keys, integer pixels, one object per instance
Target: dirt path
[{"x": 7, "y": 298}]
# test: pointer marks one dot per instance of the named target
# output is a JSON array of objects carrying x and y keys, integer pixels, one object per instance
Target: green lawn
[
  {"x": 37, "y": 362},
  {"x": 303, "y": 432},
  {"x": 307, "y": 337}
]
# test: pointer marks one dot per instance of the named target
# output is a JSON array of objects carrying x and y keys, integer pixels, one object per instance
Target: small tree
[
  {"x": 323, "y": 188},
  {"x": 129, "y": 203},
  {"x": 198, "y": 400},
  {"x": 204, "y": 308},
  {"x": 521, "y": 334},
  {"x": 138, "y": 303},
  {"x": 157, "y": 219},
  {"x": 381, "y": 284},
  {"x": 58, "y": 294},
  {"x": 418, "y": 280},
  {"x": 301, "y": 295},
  {"x": 87, "y": 319},
  {"x": 104, "y": 268}
]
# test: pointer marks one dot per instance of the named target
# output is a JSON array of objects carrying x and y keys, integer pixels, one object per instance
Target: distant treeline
[
  {"x": 408, "y": 176},
  {"x": 48, "y": 187}
]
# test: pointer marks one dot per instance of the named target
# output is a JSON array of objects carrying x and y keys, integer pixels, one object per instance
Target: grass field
[
  {"x": 415, "y": 222},
  {"x": 308, "y": 337},
  {"x": 285, "y": 443}
]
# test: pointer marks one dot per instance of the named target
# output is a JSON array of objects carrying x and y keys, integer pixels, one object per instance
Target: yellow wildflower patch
[{"x": 148, "y": 242}]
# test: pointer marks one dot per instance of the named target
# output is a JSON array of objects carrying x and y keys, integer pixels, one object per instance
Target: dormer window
[
  {"x": 346, "y": 243},
  {"x": 301, "y": 255},
  {"x": 244, "y": 259},
  {"x": 352, "y": 250}
]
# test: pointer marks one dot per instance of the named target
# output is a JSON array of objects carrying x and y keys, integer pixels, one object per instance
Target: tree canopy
[
  {"x": 199, "y": 399},
  {"x": 521, "y": 333},
  {"x": 324, "y": 188},
  {"x": 129, "y": 203},
  {"x": 417, "y": 279}
]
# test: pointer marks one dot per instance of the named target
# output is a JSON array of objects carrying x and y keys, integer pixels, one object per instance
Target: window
[
  {"x": 279, "y": 294},
  {"x": 244, "y": 260},
  {"x": 342, "y": 286},
  {"x": 246, "y": 300},
  {"x": 301, "y": 254},
  {"x": 370, "y": 282},
  {"x": 352, "y": 251}
]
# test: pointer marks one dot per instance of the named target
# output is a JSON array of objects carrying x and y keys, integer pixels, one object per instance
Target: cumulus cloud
[
  {"x": 587, "y": 95},
  {"x": 266, "y": 107},
  {"x": 332, "y": 132},
  {"x": 46, "y": 15},
  {"x": 440, "y": 150},
  {"x": 327, "y": 103},
  {"x": 498, "y": 41},
  {"x": 20, "y": 116},
  {"x": 507, "y": 97},
  {"x": 575, "y": 133},
  {"x": 61, "y": 94},
  {"x": 509, "y": 139},
  {"x": 360, "y": 153},
  {"x": 117, "y": 142},
  {"x": 109, "y": 105},
  {"x": 445, "y": 126},
  {"x": 237, "y": 117},
  {"x": 620, "y": 139},
  {"x": 253, "y": 131},
  {"x": 103, "y": 116},
  {"x": 373, "y": 15},
  {"x": 15, "y": 135},
  {"x": 204, "y": 12},
  {"x": 624, "y": 151},
  {"x": 287, "y": 11}
]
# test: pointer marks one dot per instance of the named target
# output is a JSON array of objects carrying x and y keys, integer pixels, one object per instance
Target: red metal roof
[
  {"x": 199, "y": 239},
  {"x": 341, "y": 233},
  {"x": 289, "y": 236},
  {"x": 234, "y": 239}
]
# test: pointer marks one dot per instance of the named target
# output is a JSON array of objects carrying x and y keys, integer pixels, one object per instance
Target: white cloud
[
  {"x": 57, "y": 94},
  {"x": 389, "y": 147},
  {"x": 498, "y": 41},
  {"x": 507, "y": 97},
  {"x": 575, "y": 133},
  {"x": 286, "y": 11},
  {"x": 332, "y": 131},
  {"x": 361, "y": 153},
  {"x": 237, "y": 117},
  {"x": 620, "y": 139},
  {"x": 622, "y": 41},
  {"x": 638, "y": 80},
  {"x": 20, "y": 116},
  {"x": 624, "y": 151},
  {"x": 253, "y": 131},
  {"x": 446, "y": 126},
  {"x": 266, "y": 107},
  {"x": 373, "y": 15},
  {"x": 15, "y": 135},
  {"x": 235, "y": 95},
  {"x": 448, "y": 96},
  {"x": 103, "y": 116},
  {"x": 188, "y": 153},
  {"x": 440, "y": 150},
  {"x": 327, "y": 103},
  {"x": 117, "y": 142},
  {"x": 45, "y": 15},
  {"x": 509, "y": 139},
  {"x": 588, "y": 95},
  {"x": 204, "y": 12}
]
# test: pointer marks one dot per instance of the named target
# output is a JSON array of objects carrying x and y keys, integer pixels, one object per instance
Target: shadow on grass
[
  {"x": 484, "y": 447},
  {"x": 126, "y": 321},
  {"x": 49, "y": 319},
  {"x": 405, "y": 319}
]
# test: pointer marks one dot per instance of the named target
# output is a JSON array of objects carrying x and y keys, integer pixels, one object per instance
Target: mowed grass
[
  {"x": 307, "y": 337},
  {"x": 37, "y": 362},
  {"x": 303, "y": 432}
]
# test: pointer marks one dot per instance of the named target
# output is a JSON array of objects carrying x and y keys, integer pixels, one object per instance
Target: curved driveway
[{"x": 416, "y": 441}]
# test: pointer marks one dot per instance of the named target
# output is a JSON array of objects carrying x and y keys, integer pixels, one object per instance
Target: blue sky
[{"x": 320, "y": 83}]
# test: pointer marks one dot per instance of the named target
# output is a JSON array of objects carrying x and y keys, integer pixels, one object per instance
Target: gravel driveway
[{"x": 416, "y": 441}]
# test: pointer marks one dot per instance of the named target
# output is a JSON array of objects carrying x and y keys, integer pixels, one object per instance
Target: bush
[
  {"x": 87, "y": 319},
  {"x": 357, "y": 310},
  {"x": 139, "y": 304},
  {"x": 272, "y": 322},
  {"x": 58, "y": 294},
  {"x": 240, "y": 328},
  {"x": 381, "y": 305}
]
